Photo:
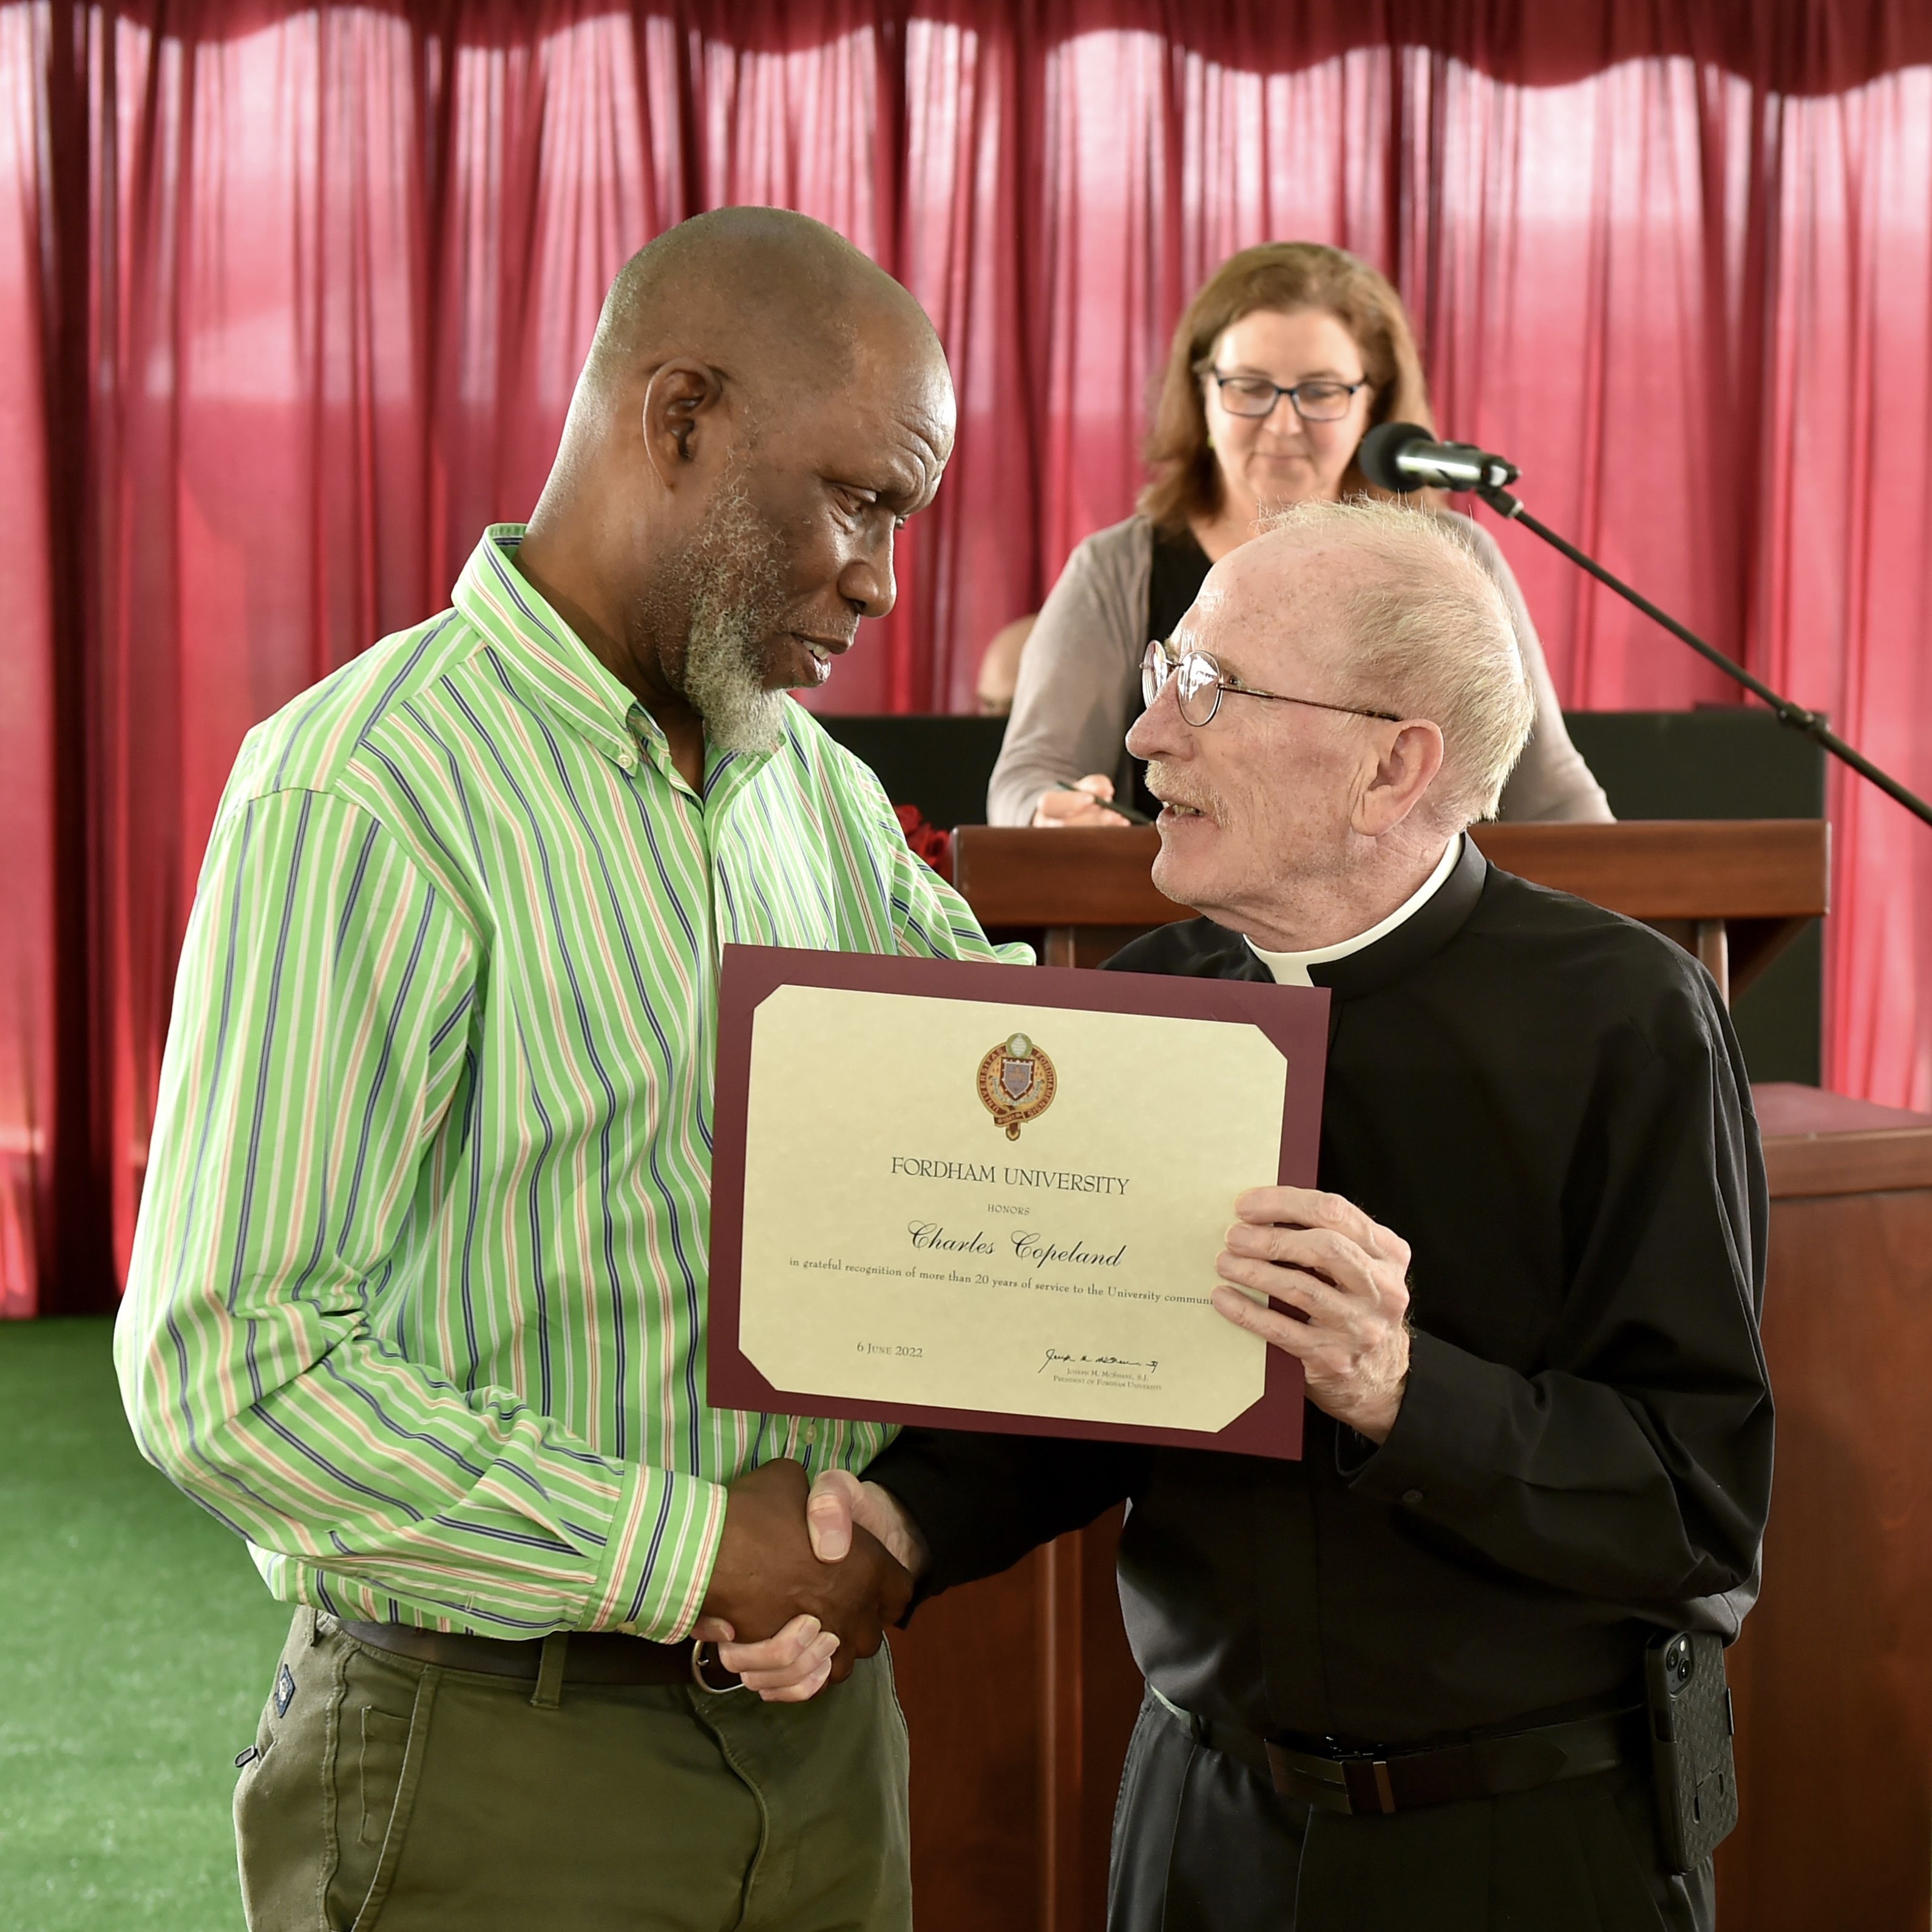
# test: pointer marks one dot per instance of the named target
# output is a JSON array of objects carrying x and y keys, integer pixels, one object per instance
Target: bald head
[{"x": 768, "y": 295}]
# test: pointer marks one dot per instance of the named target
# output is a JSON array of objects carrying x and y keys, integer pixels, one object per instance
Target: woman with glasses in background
[{"x": 1282, "y": 363}]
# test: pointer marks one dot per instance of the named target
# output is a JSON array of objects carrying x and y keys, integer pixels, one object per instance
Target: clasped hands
[
  {"x": 819, "y": 1570},
  {"x": 828, "y": 1568}
]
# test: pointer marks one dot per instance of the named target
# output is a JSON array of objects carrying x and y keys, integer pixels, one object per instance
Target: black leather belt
[
  {"x": 590, "y": 1656},
  {"x": 1359, "y": 1781}
]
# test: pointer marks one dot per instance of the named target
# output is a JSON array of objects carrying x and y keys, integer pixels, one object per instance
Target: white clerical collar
[{"x": 1290, "y": 969}]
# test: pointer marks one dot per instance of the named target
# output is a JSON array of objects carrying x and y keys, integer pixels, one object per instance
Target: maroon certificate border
[{"x": 1295, "y": 1018}]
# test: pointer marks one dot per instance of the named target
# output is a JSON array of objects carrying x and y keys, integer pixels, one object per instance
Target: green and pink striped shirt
[{"x": 418, "y": 1297}]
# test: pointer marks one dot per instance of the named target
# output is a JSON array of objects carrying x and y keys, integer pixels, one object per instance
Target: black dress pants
[{"x": 1202, "y": 1844}]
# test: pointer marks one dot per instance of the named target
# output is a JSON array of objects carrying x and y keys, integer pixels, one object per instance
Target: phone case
[{"x": 1690, "y": 1727}]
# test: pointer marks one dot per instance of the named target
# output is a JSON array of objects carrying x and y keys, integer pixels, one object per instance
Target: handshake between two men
[{"x": 824, "y": 1569}]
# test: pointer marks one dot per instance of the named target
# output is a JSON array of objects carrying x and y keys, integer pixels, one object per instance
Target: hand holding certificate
[{"x": 992, "y": 1197}]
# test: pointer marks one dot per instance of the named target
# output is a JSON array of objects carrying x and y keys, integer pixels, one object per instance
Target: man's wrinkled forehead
[
  {"x": 1266, "y": 608},
  {"x": 888, "y": 429}
]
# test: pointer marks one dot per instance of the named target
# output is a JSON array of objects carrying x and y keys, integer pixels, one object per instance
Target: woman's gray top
[{"x": 1079, "y": 687}]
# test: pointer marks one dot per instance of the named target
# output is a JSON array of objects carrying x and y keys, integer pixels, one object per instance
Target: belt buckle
[
  {"x": 1313, "y": 1777},
  {"x": 1369, "y": 1787},
  {"x": 1353, "y": 1784}
]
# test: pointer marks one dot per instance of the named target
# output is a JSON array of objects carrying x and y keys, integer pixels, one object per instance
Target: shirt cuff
[
  {"x": 663, "y": 1545},
  {"x": 1444, "y": 1455}
]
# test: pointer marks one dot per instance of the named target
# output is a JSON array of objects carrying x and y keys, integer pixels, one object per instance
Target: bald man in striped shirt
[{"x": 418, "y": 1298}]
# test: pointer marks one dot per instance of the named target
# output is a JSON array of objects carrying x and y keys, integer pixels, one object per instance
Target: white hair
[{"x": 1429, "y": 634}]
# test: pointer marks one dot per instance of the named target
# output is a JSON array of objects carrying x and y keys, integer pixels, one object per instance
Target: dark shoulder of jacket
[
  {"x": 1583, "y": 959},
  {"x": 1194, "y": 949}
]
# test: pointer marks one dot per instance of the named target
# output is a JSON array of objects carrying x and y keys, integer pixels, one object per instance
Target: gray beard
[{"x": 738, "y": 598}]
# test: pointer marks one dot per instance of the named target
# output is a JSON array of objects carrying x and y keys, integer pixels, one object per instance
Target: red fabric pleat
[{"x": 292, "y": 297}]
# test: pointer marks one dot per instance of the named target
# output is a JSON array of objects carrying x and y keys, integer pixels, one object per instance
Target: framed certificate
[{"x": 990, "y": 1197}]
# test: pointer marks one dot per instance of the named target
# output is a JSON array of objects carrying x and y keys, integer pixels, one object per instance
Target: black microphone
[{"x": 1403, "y": 456}]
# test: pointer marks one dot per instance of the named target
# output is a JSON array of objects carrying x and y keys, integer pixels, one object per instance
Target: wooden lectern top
[
  {"x": 1728, "y": 868},
  {"x": 1736, "y": 891}
]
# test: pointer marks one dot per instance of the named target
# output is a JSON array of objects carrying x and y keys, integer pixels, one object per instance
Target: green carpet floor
[{"x": 137, "y": 1644}]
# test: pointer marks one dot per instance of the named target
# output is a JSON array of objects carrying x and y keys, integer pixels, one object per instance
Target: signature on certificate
[{"x": 1059, "y": 1355}]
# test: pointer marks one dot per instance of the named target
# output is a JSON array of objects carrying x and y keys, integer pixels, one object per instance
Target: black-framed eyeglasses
[
  {"x": 1321, "y": 400},
  {"x": 1199, "y": 681}
]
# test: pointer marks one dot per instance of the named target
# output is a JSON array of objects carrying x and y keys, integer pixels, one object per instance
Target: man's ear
[
  {"x": 681, "y": 394},
  {"x": 1394, "y": 780}
]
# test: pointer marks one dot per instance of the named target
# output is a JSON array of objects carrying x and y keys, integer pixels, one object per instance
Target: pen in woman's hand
[{"x": 1113, "y": 804}]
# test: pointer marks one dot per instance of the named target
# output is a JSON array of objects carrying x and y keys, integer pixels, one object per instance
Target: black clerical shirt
[{"x": 1547, "y": 1103}]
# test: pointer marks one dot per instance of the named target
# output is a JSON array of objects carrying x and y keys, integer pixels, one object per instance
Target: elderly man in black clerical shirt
[{"x": 1526, "y": 1299}]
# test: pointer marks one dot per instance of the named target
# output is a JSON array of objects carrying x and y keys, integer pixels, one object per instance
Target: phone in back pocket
[{"x": 1691, "y": 1728}]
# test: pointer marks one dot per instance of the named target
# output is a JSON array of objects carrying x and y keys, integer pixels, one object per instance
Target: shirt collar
[
  {"x": 1292, "y": 969},
  {"x": 559, "y": 668},
  {"x": 543, "y": 652}
]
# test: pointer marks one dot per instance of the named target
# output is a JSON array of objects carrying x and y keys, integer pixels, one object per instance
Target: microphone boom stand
[{"x": 1809, "y": 722}]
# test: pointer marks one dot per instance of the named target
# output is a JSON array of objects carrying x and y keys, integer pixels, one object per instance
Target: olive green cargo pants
[{"x": 388, "y": 1792}]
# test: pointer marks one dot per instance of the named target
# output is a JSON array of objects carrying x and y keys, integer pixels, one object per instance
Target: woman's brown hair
[{"x": 1276, "y": 275}]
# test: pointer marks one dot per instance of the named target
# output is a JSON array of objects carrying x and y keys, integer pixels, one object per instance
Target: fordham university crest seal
[{"x": 1017, "y": 1084}]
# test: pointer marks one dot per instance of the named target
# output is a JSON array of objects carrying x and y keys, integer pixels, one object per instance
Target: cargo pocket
[
  {"x": 386, "y": 1740},
  {"x": 379, "y": 1766}
]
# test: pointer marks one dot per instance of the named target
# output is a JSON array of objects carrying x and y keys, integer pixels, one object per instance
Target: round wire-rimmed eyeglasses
[
  {"x": 1319, "y": 400},
  {"x": 1199, "y": 681}
]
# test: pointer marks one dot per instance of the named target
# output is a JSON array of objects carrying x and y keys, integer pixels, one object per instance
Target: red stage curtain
[{"x": 292, "y": 298}]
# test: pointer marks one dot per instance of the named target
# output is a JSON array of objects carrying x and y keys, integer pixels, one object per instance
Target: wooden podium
[
  {"x": 1020, "y": 1691},
  {"x": 1832, "y": 1678},
  {"x": 1735, "y": 891}
]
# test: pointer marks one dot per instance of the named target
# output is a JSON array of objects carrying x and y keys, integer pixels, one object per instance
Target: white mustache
[{"x": 1160, "y": 783}]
